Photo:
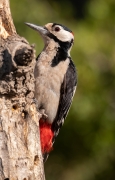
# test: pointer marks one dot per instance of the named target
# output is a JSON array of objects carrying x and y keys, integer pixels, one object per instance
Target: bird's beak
[{"x": 40, "y": 29}]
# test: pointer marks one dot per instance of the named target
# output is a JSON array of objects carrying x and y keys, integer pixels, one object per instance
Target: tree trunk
[{"x": 20, "y": 151}]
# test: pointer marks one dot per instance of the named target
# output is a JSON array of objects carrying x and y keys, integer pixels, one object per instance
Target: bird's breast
[{"x": 48, "y": 82}]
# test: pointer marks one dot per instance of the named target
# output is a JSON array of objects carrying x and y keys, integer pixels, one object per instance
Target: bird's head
[{"x": 57, "y": 32}]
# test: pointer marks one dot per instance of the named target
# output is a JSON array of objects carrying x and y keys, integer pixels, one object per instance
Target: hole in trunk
[
  {"x": 36, "y": 160},
  {"x": 15, "y": 106}
]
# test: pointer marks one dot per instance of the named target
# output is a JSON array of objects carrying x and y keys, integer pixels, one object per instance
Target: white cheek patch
[{"x": 64, "y": 35}]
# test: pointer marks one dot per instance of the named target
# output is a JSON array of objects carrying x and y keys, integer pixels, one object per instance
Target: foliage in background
[{"x": 85, "y": 147}]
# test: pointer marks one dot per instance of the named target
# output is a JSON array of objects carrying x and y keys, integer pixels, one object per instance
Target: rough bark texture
[{"x": 20, "y": 151}]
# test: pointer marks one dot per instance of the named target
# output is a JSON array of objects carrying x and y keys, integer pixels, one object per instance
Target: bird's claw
[
  {"x": 36, "y": 103},
  {"x": 42, "y": 111}
]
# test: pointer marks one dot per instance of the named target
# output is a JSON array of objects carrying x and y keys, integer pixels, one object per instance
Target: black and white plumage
[
  {"x": 67, "y": 91},
  {"x": 55, "y": 74}
]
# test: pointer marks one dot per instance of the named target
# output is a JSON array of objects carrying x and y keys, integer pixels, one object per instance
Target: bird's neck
[{"x": 57, "y": 51}]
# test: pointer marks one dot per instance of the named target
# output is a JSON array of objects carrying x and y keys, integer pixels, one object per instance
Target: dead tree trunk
[{"x": 20, "y": 151}]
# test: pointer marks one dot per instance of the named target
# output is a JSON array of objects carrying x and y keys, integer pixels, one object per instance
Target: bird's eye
[{"x": 57, "y": 29}]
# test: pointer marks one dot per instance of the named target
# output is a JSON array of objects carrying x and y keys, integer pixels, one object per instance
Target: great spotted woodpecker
[{"x": 55, "y": 80}]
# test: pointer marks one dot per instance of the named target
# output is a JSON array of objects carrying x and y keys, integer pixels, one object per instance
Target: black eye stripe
[{"x": 64, "y": 27}]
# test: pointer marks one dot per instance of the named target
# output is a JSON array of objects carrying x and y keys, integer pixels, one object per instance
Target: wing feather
[{"x": 66, "y": 95}]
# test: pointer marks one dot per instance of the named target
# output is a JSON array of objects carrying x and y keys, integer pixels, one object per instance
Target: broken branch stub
[
  {"x": 20, "y": 151},
  {"x": 6, "y": 23}
]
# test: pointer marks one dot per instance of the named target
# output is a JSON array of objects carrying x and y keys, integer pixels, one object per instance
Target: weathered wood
[
  {"x": 20, "y": 151},
  {"x": 6, "y": 23}
]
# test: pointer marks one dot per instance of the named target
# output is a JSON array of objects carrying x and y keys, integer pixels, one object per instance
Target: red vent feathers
[{"x": 46, "y": 136}]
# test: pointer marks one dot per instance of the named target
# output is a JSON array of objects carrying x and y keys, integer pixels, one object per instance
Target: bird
[{"x": 55, "y": 81}]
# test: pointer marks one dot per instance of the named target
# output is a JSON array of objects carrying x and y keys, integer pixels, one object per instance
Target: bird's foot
[
  {"x": 41, "y": 111},
  {"x": 44, "y": 116},
  {"x": 36, "y": 103}
]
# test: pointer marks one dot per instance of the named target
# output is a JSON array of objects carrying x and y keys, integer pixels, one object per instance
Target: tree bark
[{"x": 20, "y": 151}]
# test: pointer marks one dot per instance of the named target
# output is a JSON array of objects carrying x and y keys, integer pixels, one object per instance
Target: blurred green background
[{"x": 85, "y": 147}]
